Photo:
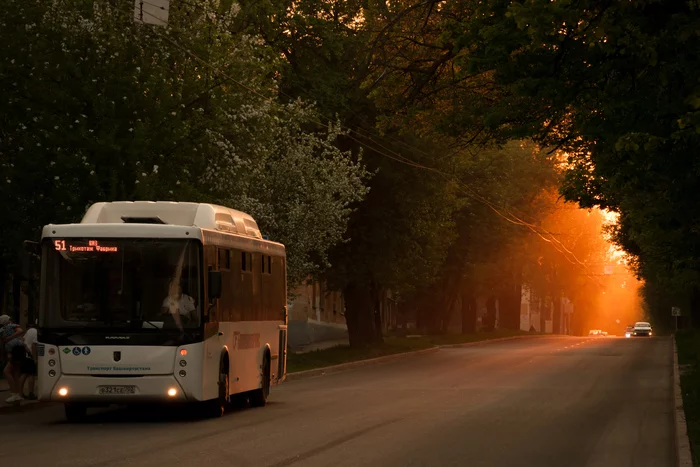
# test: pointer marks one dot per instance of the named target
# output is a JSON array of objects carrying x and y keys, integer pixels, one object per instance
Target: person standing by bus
[
  {"x": 29, "y": 366},
  {"x": 10, "y": 338}
]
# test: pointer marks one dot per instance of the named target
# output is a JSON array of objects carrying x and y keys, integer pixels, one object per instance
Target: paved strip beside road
[{"x": 534, "y": 402}]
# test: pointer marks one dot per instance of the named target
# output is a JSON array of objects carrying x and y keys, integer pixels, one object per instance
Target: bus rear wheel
[
  {"x": 75, "y": 412},
  {"x": 258, "y": 398}
]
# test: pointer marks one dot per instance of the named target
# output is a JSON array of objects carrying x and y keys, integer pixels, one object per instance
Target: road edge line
[
  {"x": 684, "y": 457},
  {"x": 358, "y": 363},
  {"x": 488, "y": 341}
]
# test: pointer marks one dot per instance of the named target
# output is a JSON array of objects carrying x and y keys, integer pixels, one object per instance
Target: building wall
[{"x": 316, "y": 314}]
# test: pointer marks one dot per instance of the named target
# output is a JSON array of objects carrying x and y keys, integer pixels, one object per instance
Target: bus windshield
[{"x": 140, "y": 284}]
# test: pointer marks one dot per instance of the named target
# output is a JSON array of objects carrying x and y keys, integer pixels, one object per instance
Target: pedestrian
[
  {"x": 10, "y": 338},
  {"x": 28, "y": 369}
]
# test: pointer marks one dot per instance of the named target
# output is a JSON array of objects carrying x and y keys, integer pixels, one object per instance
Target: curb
[
  {"x": 350, "y": 365},
  {"x": 387, "y": 358},
  {"x": 684, "y": 457}
]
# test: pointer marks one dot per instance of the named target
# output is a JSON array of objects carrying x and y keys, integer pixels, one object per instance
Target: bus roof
[
  {"x": 205, "y": 216},
  {"x": 159, "y": 219}
]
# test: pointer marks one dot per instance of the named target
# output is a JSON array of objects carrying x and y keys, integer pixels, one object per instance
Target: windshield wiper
[{"x": 151, "y": 323}]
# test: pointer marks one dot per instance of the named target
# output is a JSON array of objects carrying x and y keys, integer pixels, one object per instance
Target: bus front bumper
[{"x": 85, "y": 389}]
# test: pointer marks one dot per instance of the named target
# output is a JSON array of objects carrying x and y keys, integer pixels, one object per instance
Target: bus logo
[{"x": 117, "y": 356}]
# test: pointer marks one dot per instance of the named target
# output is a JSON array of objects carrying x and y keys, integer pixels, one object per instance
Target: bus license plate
[{"x": 117, "y": 390}]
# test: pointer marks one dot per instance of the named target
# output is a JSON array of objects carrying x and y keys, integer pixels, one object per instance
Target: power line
[
  {"x": 509, "y": 216},
  {"x": 559, "y": 246}
]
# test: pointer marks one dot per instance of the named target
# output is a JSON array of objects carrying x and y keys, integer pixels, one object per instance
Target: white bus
[{"x": 160, "y": 301}]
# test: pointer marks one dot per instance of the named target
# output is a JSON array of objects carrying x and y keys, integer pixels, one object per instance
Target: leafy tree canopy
[{"x": 99, "y": 107}]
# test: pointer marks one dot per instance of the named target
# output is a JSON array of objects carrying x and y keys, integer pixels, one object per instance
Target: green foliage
[
  {"x": 612, "y": 84},
  {"x": 98, "y": 107}
]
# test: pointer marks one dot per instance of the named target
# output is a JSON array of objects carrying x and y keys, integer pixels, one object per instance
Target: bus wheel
[
  {"x": 75, "y": 412},
  {"x": 220, "y": 404},
  {"x": 258, "y": 398}
]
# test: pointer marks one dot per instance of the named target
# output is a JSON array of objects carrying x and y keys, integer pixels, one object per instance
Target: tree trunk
[
  {"x": 490, "y": 317},
  {"x": 510, "y": 299},
  {"x": 544, "y": 311},
  {"x": 377, "y": 312},
  {"x": 425, "y": 305},
  {"x": 359, "y": 315},
  {"x": 556, "y": 313},
  {"x": 468, "y": 314},
  {"x": 448, "y": 299}
]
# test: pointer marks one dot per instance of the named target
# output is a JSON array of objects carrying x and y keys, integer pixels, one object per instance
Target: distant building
[{"x": 316, "y": 314}]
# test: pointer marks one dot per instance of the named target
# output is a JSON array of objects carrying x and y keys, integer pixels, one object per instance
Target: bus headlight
[
  {"x": 63, "y": 392},
  {"x": 52, "y": 373},
  {"x": 172, "y": 392},
  {"x": 183, "y": 363},
  {"x": 182, "y": 373},
  {"x": 52, "y": 362}
]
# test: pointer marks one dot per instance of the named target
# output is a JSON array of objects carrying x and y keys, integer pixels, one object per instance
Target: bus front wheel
[
  {"x": 258, "y": 398},
  {"x": 218, "y": 406},
  {"x": 75, "y": 412}
]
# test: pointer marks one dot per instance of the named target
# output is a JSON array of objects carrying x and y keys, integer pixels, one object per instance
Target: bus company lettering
[
  {"x": 119, "y": 368},
  {"x": 246, "y": 341}
]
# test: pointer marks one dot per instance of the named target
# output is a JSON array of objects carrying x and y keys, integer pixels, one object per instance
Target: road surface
[{"x": 551, "y": 401}]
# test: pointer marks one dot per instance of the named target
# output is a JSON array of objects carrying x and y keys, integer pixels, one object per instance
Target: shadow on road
[{"x": 153, "y": 414}]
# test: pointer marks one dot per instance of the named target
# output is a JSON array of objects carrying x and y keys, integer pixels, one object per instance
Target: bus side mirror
[
  {"x": 214, "y": 285},
  {"x": 32, "y": 248}
]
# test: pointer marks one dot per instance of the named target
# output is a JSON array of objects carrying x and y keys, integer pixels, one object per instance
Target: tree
[
  {"x": 398, "y": 236},
  {"x": 499, "y": 189},
  {"x": 99, "y": 107},
  {"x": 611, "y": 84}
]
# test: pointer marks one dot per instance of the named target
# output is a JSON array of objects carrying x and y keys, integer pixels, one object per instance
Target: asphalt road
[{"x": 550, "y": 401}]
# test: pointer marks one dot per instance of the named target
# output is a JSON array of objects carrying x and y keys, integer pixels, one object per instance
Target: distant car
[
  {"x": 641, "y": 329},
  {"x": 629, "y": 330}
]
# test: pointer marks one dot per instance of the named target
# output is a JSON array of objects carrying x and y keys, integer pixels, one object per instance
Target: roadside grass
[
  {"x": 688, "y": 345},
  {"x": 392, "y": 345}
]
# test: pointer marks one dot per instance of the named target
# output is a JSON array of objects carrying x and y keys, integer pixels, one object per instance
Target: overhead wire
[{"x": 393, "y": 155}]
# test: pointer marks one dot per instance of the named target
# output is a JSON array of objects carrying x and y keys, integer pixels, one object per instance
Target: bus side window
[
  {"x": 224, "y": 259},
  {"x": 246, "y": 261},
  {"x": 211, "y": 311},
  {"x": 227, "y": 284}
]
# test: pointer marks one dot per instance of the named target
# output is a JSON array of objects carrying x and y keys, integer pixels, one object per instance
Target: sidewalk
[{"x": 5, "y": 393}]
